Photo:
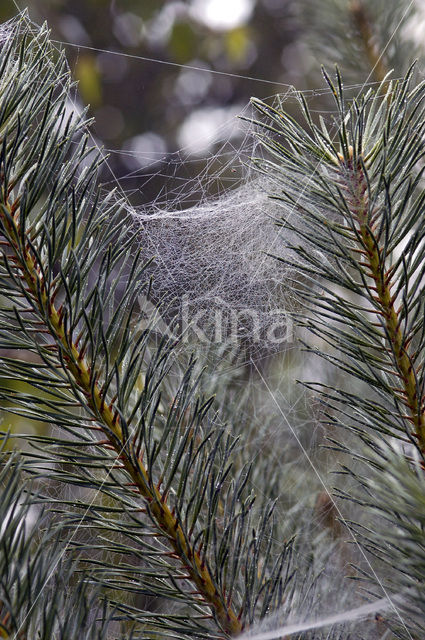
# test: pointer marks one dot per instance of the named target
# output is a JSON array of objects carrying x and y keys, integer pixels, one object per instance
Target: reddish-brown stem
[
  {"x": 107, "y": 417},
  {"x": 382, "y": 274}
]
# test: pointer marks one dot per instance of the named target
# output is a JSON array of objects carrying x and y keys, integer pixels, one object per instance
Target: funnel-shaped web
[{"x": 213, "y": 270}]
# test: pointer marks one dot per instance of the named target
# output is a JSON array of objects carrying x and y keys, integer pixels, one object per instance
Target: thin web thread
[
  {"x": 290, "y": 87},
  {"x": 278, "y": 406},
  {"x": 300, "y": 444},
  {"x": 339, "y": 618}
]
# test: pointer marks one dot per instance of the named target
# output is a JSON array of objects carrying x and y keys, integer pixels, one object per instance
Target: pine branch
[
  {"x": 30, "y": 547},
  {"x": 365, "y": 30},
  {"x": 371, "y": 242},
  {"x": 367, "y": 40},
  {"x": 71, "y": 272},
  {"x": 366, "y": 203},
  {"x": 107, "y": 415},
  {"x": 24, "y": 264},
  {"x": 359, "y": 256}
]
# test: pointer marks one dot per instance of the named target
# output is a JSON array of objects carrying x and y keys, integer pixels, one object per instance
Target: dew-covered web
[
  {"x": 209, "y": 233},
  {"x": 209, "y": 224},
  {"x": 213, "y": 236},
  {"x": 210, "y": 227}
]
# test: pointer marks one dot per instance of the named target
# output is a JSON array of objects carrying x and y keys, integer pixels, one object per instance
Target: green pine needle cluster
[
  {"x": 148, "y": 462},
  {"x": 360, "y": 260}
]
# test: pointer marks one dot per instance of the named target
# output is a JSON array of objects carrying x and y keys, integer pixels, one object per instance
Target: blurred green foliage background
[{"x": 146, "y": 110}]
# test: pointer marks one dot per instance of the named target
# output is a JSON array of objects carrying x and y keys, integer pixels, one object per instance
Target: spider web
[
  {"x": 210, "y": 227},
  {"x": 213, "y": 237}
]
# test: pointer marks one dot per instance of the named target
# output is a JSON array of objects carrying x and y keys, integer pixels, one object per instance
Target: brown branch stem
[
  {"x": 363, "y": 25},
  {"x": 381, "y": 274},
  {"x": 107, "y": 416}
]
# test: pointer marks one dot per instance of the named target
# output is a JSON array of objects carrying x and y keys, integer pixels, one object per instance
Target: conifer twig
[
  {"x": 364, "y": 26},
  {"x": 71, "y": 273},
  {"x": 353, "y": 177},
  {"x": 108, "y": 417}
]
